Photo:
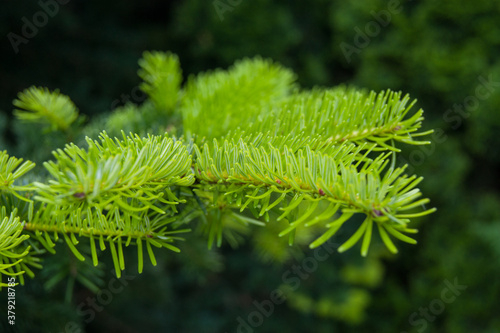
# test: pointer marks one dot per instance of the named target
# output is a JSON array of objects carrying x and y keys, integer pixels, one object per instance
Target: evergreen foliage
[
  {"x": 161, "y": 74},
  {"x": 249, "y": 142},
  {"x": 429, "y": 49},
  {"x": 55, "y": 110}
]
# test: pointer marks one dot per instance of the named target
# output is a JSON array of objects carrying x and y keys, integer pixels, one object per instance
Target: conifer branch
[
  {"x": 50, "y": 108},
  {"x": 249, "y": 176},
  {"x": 11, "y": 169},
  {"x": 329, "y": 117},
  {"x": 15, "y": 256},
  {"x": 251, "y": 142},
  {"x": 10, "y": 240},
  {"x": 162, "y": 77},
  {"x": 113, "y": 191},
  {"x": 219, "y": 101}
]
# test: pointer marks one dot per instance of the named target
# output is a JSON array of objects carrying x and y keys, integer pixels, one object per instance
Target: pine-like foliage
[
  {"x": 162, "y": 79},
  {"x": 51, "y": 108},
  {"x": 250, "y": 148}
]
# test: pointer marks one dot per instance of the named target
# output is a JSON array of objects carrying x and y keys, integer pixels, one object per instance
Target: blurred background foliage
[{"x": 439, "y": 52}]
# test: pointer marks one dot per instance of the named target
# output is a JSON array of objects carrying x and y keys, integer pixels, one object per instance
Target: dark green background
[{"x": 437, "y": 51}]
